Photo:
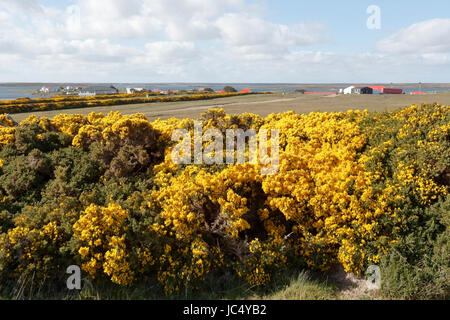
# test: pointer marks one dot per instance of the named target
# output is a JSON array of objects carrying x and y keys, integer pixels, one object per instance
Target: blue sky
[{"x": 223, "y": 41}]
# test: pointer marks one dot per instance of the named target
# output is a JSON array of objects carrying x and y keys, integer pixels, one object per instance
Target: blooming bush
[{"x": 103, "y": 192}]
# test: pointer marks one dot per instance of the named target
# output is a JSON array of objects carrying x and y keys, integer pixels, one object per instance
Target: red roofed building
[
  {"x": 391, "y": 91},
  {"x": 374, "y": 88}
]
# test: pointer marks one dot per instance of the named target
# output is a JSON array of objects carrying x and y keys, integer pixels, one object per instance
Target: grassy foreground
[{"x": 287, "y": 285}]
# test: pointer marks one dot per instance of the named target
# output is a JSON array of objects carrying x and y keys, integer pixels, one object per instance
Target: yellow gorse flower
[{"x": 328, "y": 203}]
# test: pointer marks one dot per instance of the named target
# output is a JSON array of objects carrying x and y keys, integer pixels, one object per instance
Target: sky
[{"x": 225, "y": 41}]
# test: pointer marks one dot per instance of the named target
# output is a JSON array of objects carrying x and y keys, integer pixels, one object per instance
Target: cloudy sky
[{"x": 259, "y": 41}]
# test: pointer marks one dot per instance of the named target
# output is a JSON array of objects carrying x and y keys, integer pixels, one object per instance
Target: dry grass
[{"x": 262, "y": 104}]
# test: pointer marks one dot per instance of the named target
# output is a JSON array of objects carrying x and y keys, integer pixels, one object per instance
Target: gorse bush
[
  {"x": 102, "y": 192},
  {"x": 410, "y": 153},
  {"x": 75, "y": 98},
  {"x": 417, "y": 266}
]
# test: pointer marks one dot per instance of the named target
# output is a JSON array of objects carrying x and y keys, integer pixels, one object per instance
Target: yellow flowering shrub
[
  {"x": 102, "y": 242},
  {"x": 7, "y": 130},
  {"x": 36, "y": 243},
  {"x": 6, "y": 135},
  {"x": 5, "y": 121},
  {"x": 349, "y": 187}
]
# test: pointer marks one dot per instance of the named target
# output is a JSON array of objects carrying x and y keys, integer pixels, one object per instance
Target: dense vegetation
[{"x": 102, "y": 192}]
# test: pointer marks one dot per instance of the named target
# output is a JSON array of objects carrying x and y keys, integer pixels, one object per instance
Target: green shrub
[{"x": 418, "y": 266}]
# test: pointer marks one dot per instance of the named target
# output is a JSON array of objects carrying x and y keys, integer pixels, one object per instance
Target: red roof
[{"x": 376, "y": 88}]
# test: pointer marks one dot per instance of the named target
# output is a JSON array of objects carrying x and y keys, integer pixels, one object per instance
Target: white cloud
[
  {"x": 185, "y": 20},
  {"x": 197, "y": 40},
  {"x": 430, "y": 36},
  {"x": 28, "y": 6},
  {"x": 170, "y": 51},
  {"x": 113, "y": 19},
  {"x": 168, "y": 38},
  {"x": 436, "y": 58},
  {"x": 241, "y": 29},
  {"x": 192, "y": 20}
]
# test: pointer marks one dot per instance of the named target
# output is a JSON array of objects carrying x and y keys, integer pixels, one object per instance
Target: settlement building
[
  {"x": 362, "y": 90},
  {"x": 391, "y": 91},
  {"x": 348, "y": 90},
  {"x": 134, "y": 90},
  {"x": 98, "y": 90}
]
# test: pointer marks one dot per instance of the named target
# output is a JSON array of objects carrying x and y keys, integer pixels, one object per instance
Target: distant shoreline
[{"x": 250, "y": 85}]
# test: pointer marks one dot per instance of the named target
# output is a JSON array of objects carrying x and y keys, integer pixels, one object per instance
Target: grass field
[{"x": 261, "y": 104}]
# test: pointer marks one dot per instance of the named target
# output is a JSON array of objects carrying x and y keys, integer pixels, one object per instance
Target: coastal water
[
  {"x": 11, "y": 92},
  {"x": 14, "y": 92},
  {"x": 17, "y": 91}
]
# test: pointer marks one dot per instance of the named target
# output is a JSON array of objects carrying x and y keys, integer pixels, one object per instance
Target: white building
[
  {"x": 97, "y": 90},
  {"x": 134, "y": 90},
  {"x": 44, "y": 90},
  {"x": 348, "y": 90}
]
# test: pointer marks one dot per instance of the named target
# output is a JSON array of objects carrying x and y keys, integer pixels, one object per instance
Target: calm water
[
  {"x": 14, "y": 92},
  {"x": 10, "y": 93}
]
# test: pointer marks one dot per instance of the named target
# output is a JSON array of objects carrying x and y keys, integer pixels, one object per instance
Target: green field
[{"x": 261, "y": 104}]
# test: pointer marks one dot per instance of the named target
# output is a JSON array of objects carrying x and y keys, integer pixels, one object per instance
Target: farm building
[
  {"x": 98, "y": 90},
  {"x": 377, "y": 88},
  {"x": 374, "y": 87},
  {"x": 134, "y": 90},
  {"x": 362, "y": 90},
  {"x": 348, "y": 90},
  {"x": 56, "y": 89},
  {"x": 391, "y": 91}
]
